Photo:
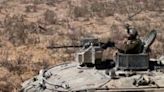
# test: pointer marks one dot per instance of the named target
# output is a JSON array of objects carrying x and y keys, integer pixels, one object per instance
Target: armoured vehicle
[{"x": 126, "y": 72}]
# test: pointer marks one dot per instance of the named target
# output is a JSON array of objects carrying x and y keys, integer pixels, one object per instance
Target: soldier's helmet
[{"x": 132, "y": 32}]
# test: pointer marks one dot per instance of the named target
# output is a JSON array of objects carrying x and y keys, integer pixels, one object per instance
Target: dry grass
[{"x": 27, "y": 27}]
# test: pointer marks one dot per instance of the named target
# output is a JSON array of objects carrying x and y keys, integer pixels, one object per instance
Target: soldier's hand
[
  {"x": 128, "y": 42},
  {"x": 125, "y": 41}
]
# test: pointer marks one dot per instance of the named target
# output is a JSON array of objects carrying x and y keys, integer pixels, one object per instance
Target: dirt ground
[{"x": 27, "y": 27}]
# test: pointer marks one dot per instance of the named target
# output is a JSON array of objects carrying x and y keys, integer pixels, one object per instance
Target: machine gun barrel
[{"x": 60, "y": 47}]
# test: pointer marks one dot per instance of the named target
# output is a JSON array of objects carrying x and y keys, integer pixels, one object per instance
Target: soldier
[{"x": 131, "y": 44}]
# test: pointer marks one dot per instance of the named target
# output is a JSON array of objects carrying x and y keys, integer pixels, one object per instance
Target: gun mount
[{"x": 126, "y": 72}]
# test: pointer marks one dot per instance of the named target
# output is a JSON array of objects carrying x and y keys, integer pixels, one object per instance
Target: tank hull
[{"x": 70, "y": 77}]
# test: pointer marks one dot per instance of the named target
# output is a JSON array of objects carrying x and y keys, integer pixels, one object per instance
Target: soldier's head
[{"x": 132, "y": 33}]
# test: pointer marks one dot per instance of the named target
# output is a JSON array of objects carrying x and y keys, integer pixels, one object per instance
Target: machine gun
[{"x": 84, "y": 43}]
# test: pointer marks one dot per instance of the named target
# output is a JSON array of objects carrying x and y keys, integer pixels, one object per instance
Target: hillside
[{"x": 27, "y": 27}]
